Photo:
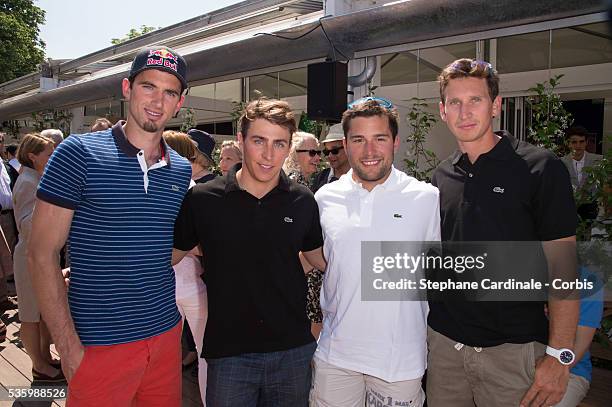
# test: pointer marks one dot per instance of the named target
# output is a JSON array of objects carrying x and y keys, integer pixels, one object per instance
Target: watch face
[{"x": 566, "y": 357}]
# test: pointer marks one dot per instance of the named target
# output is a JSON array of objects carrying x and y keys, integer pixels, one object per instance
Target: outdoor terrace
[{"x": 16, "y": 370}]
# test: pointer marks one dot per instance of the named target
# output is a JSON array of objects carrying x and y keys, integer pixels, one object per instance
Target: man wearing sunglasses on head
[
  {"x": 370, "y": 353},
  {"x": 333, "y": 150},
  {"x": 495, "y": 188}
]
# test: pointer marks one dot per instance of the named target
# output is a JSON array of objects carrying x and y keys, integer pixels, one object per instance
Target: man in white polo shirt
[{"x": 371, "y": 352}]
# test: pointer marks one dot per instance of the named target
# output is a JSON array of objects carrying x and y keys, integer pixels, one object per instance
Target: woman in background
[
  {"x": 33, "y": 154},
  {"x": 304, "y": 157},
  {"x": 191, "y": 297},
  {"x": 229, "y": 156},
  {"x": 300, "y": 165}
]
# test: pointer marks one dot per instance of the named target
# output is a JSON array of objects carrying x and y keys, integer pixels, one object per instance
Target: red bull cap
[{"x": 163, "y": 59}]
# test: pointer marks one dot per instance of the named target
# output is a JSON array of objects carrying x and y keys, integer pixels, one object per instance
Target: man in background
[
  {"x": 578, "y": 159},
  {"x": 576, "y": 162},
  {"x": 101, "y": 123},
  {"x": 11, "y": 156},
  {"x": 54, "y": 134},
  {"x": 333, "y": 149}
]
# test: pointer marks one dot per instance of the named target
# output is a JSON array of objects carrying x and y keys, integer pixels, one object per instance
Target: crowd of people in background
[{"x": 257, "y": 266}]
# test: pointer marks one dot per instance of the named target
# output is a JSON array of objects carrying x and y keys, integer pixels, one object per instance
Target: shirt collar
[
  {"x": 330, "y": 175},
  {"x": 390, "y": 181},
  {"x": 129, "y": 149},
  {"x": 503, "y": 150},
  {"x": 231, "y": 183}
]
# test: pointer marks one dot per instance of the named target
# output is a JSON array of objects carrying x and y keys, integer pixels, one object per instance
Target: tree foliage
[
  {"x": 421, "y": 161},
  {"x": 21, "y": 48},
  {"x": 133, "y": 34},
  {"x": 550, "y": 120}
]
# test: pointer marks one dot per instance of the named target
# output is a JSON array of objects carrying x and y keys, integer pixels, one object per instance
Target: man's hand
[
  {"x": 178, "y": 255},
  {"x": 315, "y": 258},
  {"x": 550, "y": 383},
  {"x": 72, "y": 360},
  {"x": 66, "y": 275}
]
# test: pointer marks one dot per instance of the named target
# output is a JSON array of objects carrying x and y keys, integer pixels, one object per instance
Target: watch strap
[{"x": 557, "y": 354}]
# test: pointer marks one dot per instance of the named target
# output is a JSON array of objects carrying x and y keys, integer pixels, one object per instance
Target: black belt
[{"x": 5, "y": 211}]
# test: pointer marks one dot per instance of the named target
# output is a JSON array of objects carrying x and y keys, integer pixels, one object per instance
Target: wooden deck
[{"x": 16, "y": 370}]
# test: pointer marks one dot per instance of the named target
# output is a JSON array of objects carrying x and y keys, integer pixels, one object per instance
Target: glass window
[
  {"x": 433, "y": 60},
  {"x": 588, "y": 44},
  {"x": 203, "y": 91},
  {"x": 293, "y": 82},
  {"x": 227, "y": 90},
  {"x": 423, "y": 65},
  {"x": 525, "y": 52},
  {"x": 398, "y": 68},
  {"x": 104, "y": 109},
  {"x": 263, "y": 85}
]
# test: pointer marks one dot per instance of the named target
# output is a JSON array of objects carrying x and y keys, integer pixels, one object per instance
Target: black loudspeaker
[{"x": 327, "y": 85}]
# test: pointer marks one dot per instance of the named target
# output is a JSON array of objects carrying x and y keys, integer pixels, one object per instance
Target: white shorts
[{"x": 337, "y": 387}]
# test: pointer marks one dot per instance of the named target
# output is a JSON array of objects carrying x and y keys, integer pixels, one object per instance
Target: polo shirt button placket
[{"x": 145, "y": 170}]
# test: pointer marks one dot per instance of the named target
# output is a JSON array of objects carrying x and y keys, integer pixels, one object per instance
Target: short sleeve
[
  {"x": 433, "y": 230},
  {"x": 63, "y": 181},
  {"x": 555, "y": 210},
  {"x": 185, "y": 236},
  {"x": 591, "y": 312},
  {"x": 314, "y": 236}
]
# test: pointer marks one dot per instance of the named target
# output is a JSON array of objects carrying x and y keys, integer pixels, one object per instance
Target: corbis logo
[{"x": 162, "y": 57}]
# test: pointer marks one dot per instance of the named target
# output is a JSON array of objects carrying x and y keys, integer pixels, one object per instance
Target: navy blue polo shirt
[
  {"x": 514, "y": 192},
  {"x": 122, "y": 286}
]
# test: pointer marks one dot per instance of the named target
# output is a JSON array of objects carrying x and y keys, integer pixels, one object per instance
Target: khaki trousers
[
  {"x": 337, "y": 387},
  {"x": 463, "y": 376}
]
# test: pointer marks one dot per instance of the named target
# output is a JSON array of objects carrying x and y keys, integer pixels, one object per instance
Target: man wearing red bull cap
[{"x": 116, "y": 194}]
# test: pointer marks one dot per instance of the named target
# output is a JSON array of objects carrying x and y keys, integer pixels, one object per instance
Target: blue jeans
[{"x": 273, "y": 379}]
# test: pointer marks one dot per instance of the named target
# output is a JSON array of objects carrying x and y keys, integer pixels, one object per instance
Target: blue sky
[{"x": 78, "y": 27}]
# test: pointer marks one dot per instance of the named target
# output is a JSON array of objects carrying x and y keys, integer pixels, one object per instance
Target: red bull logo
[
  {"x": 162, "y": 57},
  {"x": 162, "y": 53}
]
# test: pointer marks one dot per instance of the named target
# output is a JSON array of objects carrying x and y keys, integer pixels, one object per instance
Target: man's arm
[
  {"x": 551, "y": 376},
  {"x": 50, "y": 226},
  {"x": 584, "y": 339},
  {"x": 315, "y": 257}
]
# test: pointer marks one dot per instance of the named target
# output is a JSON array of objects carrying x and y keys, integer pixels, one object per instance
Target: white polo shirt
[{"x": 385, "y": 339}]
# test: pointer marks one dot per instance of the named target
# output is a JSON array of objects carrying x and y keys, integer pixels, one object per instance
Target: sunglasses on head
[
  {"x": 381, "y": 102},
  {"x": 311, "y": 153},
  {"x": 476, "y": 65},
  {"x": 333, "y": 151}
]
